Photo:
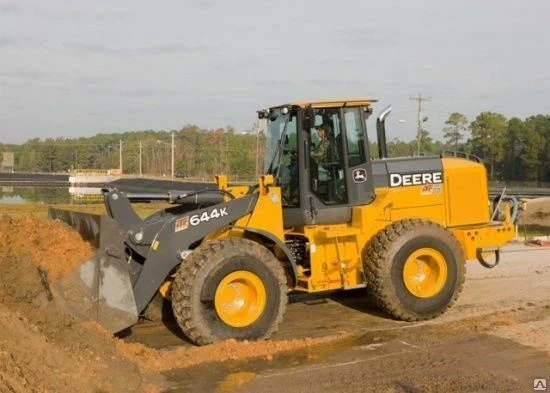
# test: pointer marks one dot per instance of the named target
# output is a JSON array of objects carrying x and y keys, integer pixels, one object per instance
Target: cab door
[
  {"x": 333, "y": 169},
  {"x": 359, "y": 177}
]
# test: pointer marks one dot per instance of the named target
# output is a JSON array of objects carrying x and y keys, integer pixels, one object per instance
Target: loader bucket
[
  {"x": 88, "y": 225},
  {"x": 100, "y": 288}
]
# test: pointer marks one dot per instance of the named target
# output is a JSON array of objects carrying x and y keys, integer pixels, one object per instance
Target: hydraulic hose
[{"x": 515, "y": 206}]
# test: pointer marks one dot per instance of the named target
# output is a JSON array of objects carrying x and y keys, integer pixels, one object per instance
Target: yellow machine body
[{"x": 336, "y": 251}]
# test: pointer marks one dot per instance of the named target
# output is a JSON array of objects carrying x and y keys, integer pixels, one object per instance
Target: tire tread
[
  {"x": 186, "y": 282},
  {"x": 376, "y": 268}
]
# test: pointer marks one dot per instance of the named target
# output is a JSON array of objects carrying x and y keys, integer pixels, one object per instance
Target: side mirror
[
  {"x": 308, "y": 120},
  {"x": 368, "y": 111}
]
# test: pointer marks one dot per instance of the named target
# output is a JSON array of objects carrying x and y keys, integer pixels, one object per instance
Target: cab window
[
  {"x": 326, "y": 157},
  {"x": 355, "y": 137}
]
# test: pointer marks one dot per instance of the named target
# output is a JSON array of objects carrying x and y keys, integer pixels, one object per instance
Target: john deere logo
[
  {"x": 359, "y": 175},
  {"x": 539, "y": 384}
]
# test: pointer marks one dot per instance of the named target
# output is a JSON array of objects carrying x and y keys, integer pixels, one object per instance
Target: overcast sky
[{"x": 79, "y": 68}]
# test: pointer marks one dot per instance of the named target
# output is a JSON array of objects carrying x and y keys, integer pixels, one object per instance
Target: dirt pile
[
  {"x": 537, "y": 212},
  {"x": 35, "y": 357},
  {"x": 47, "y": 243},
  {"x": 44, "y": 350}
]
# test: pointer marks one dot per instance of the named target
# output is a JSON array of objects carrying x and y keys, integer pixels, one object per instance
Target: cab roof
[{"x": 359, "y": 101}]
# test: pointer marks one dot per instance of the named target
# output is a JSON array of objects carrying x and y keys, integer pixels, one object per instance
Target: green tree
[
  {"x": 398, "y": 148},
  {"x": 488, "y": 138},
  {"x": 540, "y": 124},
  {"x": 426, "y": 143},
  {"x": 534, "y": 151},
  {"x": 513, "y": 147},
  {"x": 457, "y": 125}
]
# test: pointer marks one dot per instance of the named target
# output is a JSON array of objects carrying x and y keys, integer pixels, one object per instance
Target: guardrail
[
  {"x": 520, "y": 192},
  {"x": 37, "y": 180}
]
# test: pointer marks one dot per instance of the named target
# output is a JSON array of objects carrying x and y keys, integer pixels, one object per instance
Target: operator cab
[{"x": 318, "y": 154}]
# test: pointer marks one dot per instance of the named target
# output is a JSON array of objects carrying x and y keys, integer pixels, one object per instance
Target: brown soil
[
  {"x": 537, "y": 212},
  {"x": 49, "y": 243},
  {"x": 470, "y": 355},
  {"x": 44, "y": 350},
  {"x": 150, "y": 359}
]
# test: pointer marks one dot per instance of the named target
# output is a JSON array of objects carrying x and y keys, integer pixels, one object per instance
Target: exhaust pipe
[{"x": 381, "y": 131}]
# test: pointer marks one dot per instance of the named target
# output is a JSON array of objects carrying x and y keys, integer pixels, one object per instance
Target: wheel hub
[
  {"x": 240, "y": 298},
  {"x": 425, "y": 272}
]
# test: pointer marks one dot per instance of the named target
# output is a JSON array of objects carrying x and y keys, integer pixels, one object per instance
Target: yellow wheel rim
[
  {"x": 240, "y": 298},
  {"x": 425, "y": 272}
]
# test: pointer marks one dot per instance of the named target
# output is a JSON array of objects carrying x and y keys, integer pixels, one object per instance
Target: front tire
[
  {"x": 415, "y": 269},
  {"x": 229, "y": 288}
]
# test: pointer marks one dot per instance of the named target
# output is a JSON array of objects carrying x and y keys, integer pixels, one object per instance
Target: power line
[
  {"x": 438, "y": 111},
  {"x": 419, "y": 100}
]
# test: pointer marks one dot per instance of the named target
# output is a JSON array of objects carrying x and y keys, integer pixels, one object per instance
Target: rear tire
[
  {"x": 229, "y": 288},
  {"x": 415, "y": 269}
]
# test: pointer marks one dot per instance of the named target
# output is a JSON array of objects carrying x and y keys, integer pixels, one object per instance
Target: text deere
[{"x": 415, "y": 179}]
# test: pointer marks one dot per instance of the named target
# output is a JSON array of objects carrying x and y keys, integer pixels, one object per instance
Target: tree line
[
  {"x": 512, "y": 149},
  {"x": 198, "y": 153}
]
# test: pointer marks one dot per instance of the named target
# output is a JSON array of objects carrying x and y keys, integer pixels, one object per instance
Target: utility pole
[
  {"x": 120, "y": 155},
  {"x": 140, "y": 172},
  {"x": 173, "y": 149},
  {"x": 419, "y": 100}
]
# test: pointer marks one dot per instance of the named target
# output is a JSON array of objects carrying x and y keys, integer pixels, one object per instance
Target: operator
[{"x": 322, "y": 152}]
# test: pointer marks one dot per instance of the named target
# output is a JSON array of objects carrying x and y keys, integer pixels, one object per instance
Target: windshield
[
  {"x": 276, "y": 125},
  {"x": 281, "y": 158}
]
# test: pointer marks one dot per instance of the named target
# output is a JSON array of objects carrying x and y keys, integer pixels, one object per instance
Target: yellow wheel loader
[{"x": 325, "y": 216}]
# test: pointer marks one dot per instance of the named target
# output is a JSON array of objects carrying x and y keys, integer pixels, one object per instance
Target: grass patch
[{"x": 527, "y": 231}]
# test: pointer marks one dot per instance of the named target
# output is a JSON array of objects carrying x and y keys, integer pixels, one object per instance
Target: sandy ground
[{"x": 495, "y": 338}]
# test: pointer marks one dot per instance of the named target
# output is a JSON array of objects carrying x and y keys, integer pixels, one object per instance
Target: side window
[
  {"x": 327, "y": 165},
  {"x": 355, "y": 137},
  {"x": 287, "y": 175}
]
